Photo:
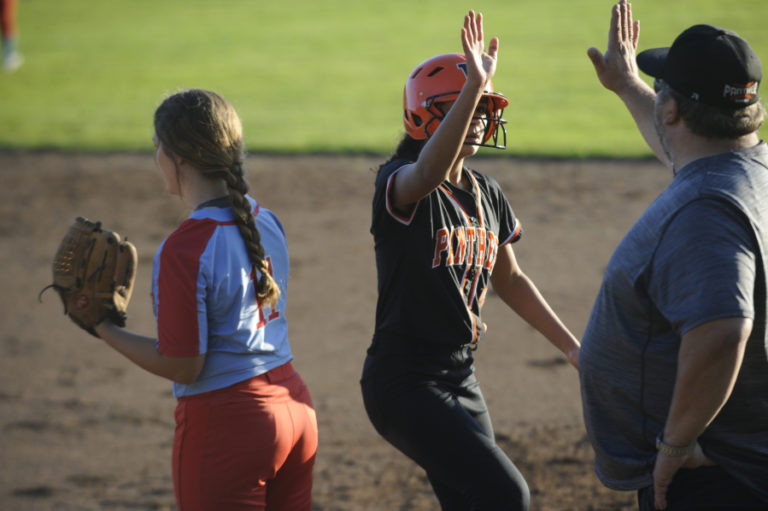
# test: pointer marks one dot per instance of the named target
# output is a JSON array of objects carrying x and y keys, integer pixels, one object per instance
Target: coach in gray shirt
[{"x": 674, "y": 360}]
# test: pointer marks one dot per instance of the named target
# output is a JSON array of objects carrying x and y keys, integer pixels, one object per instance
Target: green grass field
[{"x": 325, "y": 75}]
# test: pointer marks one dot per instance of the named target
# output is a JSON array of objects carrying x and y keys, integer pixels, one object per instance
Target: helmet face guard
[
  {"x": 438, "y": 80},
  {"x": 493, "y": 124}
]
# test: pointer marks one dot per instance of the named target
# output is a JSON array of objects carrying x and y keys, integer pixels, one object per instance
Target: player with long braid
[
  {"x": 246, "y": 431},
  {"x": 442, "y": 233}
]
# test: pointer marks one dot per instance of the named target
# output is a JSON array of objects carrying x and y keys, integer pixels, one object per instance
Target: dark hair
[
  {"x": 713, "y": 121},
  {"x": 408, "y": 149},
  {"x": 203, "y": 128}
]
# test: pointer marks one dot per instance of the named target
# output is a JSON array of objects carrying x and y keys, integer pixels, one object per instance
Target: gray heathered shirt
[{"x": 698, "y": 253}]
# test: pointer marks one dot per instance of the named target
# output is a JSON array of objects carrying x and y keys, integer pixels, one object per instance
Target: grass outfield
[{"x": 325, "y": 76}]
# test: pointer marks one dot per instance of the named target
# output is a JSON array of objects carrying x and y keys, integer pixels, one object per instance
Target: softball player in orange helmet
[{"x": 443, "y": 232}]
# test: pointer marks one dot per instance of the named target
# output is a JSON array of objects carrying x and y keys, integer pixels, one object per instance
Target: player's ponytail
[
  {"x": 267, "y": 290},
  {"x": 203, "y": 128},
  {"x": 408, "y": 149}
]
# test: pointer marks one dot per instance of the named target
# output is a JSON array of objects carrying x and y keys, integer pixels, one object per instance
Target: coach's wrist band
[{"x": 674, "y": 450}]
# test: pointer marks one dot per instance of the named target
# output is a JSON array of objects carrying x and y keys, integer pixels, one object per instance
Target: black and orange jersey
[{"x": 434, "y": 261}]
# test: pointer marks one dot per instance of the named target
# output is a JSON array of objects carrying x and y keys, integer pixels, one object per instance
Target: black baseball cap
[{"x": 708, "y": 64}]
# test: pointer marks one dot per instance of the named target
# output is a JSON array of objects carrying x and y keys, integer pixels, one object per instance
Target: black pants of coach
[
  {"x": 430, "y": 407},
  {"x": 704, "y": 489}
]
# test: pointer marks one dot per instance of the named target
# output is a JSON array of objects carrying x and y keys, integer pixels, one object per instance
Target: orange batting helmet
[{"x": 439, "y": 79}]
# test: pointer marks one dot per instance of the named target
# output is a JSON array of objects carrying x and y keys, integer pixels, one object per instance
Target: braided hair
[{"x": 203, "y": 129}]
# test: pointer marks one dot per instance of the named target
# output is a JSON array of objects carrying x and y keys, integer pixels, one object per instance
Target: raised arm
[
  {"x": 441, "y": 151},
  {"x": 617, "y": 71}
]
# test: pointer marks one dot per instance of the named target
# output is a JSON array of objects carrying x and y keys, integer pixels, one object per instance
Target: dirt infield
[{"x": 83, "y": 429}]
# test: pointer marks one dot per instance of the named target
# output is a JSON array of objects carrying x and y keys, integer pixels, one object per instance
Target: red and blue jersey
[
  {"x": 204, "y": 297},
  {"x": 434, "y": 261}
]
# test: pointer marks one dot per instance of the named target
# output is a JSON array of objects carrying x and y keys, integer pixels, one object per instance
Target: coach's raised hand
[
  {"x": 616, "y": 68},
  {"x": 618, "y": 72}
]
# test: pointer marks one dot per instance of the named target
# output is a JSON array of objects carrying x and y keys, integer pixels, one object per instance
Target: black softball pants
[{"x": 432, "y": 410}]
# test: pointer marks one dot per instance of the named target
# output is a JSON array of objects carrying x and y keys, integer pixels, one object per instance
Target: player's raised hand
[
  {"x": 481, "y": 65},
  {"x": 616, "y": 68}
]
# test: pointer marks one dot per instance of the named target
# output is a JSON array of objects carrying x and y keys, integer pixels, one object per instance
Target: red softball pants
[{"x": 250, "y": 446}]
